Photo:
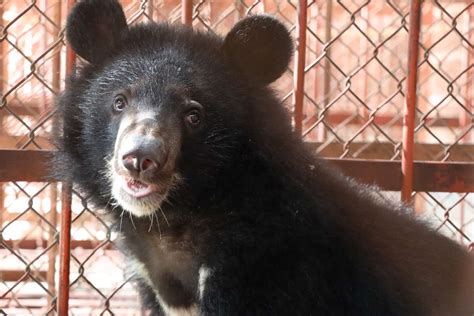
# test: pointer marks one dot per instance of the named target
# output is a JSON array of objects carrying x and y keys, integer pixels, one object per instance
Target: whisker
[
  {"x": 169, "y": 200},
  {"x": 158, "y": 223},
  {"x": 121, "y": 220},
  {"x": 131, "y": 219},
  {"x": 164, "y": 216},
  {"x": 114, "y": 206},
  {"x": 151, "y": 221},
  {"x": 108, "y": 203}
]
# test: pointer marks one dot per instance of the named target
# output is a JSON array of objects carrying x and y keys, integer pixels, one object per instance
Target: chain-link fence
[{"x": 348, "y": 97}]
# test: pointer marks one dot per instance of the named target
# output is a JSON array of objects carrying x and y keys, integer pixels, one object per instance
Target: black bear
[{"x": 221, "y": 207}]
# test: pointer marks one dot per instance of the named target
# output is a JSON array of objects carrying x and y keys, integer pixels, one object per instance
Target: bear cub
[{"x": 221, "y": 208}]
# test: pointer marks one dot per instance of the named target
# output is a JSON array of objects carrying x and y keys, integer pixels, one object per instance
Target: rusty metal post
[
  {"x": 56, "y": 62},
  {"x": 410, "y": 101},
  {"x": 65, "y": 230},
  {"x": 2, "y": 4},
  {"x": 53, "y": 214},
  {"x": 300, "y": 59},
  {"x": 64, "y": 250},
  {"x": 2, "y": 84},
  {"x": 314, "y": 25},
  {"x": 327, "y": 63},
  {"x": 365, "y": 49},
  {"x": 466, "y": 116},
  {"x": 187, "y": 12},
  {"x": 53, "y": 252},
  {"x": 3, "y": 63},
  {"x": 70, "y": 60}
]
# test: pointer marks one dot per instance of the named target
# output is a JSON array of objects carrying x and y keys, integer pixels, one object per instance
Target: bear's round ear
[
  {"x": 260, "y": 47},
  {"x": 94, "y": 28}
]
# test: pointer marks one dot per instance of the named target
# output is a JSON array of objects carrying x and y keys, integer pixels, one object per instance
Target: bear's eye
[
  {"x": 120, "y": 103},
  {"x": 193, "y": 118},
  {"x": 193, "y": 115}
]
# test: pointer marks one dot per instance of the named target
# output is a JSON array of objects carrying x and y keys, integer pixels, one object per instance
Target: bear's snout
[
  {"x": 144, "y": 155},
  {"x": 142, "y": 171}
]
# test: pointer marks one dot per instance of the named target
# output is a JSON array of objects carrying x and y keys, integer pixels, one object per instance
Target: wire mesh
[
  {"x": 354, "y": 89},
  {"x": 28, "y": 248}
]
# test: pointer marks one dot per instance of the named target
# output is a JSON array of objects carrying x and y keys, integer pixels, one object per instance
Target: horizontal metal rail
[{"x": 32, "y": 166}]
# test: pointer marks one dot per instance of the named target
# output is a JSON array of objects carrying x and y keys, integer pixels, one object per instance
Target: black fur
[
  {"x": 282, "y": 232},
  {"x": 105, "y": 23},
  {"x": 259, "y": 47}
]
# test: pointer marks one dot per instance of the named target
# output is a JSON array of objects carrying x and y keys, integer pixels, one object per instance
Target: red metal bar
[
  {"x": 66, "y": 200},
  {"x": 365, "y": 49},
  {"x": 24, "y": 165},
  {"x": 2, "y": 81},
  {"x": 64, "y": 250},
  {"x": 300, "y": 59},
  {"x": 321, "y": 131},
  {"x": 187, "y": 12},
  {"x": 70, "y": 61},
  {"x": 2, "y": 57},
  {"x": 466, "y": 117},
  {"x": 53, "y": 214},
  {"x": 410, "y": 103},
  {"x": 327, "y": 65},
  {"x": 428, "y": 175},
  {"x": 32, "y": 244}
]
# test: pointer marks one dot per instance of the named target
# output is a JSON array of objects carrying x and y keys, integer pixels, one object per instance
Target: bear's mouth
[
  {"x": 138, "y": 196},
  {"x": 138, "y": 189}
]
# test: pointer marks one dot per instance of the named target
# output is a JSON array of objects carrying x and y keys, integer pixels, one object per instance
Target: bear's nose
[
  {"x": 143, "y": 158},
  {"x": 136, "y": 161}
]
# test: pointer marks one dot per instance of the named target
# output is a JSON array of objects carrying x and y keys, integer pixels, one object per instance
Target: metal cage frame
[{"x": 406, "y": 174}]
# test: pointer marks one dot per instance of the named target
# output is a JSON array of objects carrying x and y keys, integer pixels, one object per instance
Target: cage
[{"x": 384, "y": 89}]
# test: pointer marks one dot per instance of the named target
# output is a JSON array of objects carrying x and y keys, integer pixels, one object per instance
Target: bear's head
[{"x": 157, "y": 108}]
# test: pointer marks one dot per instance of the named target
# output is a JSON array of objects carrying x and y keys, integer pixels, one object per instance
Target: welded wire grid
[{"x": 354, "y": 88}]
